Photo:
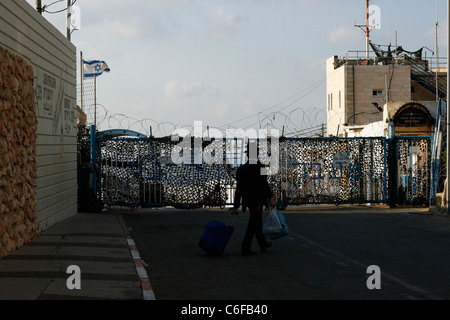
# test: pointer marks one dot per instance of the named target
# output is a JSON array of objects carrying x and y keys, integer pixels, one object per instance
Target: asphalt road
[{"x": 325, "y": 256}]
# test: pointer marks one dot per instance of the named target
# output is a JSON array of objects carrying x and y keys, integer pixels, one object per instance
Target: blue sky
[{"x": 232, "y": 63}]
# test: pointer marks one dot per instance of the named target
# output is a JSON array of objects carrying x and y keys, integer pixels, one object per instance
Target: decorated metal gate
[
  {"x": 141, "y": 172},
  {"x": 413, "y": 170},
  {"x": 331, "y": 170}
]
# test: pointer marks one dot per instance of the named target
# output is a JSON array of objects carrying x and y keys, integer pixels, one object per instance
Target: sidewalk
[{"x": 98, "y": 244}]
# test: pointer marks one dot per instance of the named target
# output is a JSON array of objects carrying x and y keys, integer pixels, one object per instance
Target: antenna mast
[
  {"x": 437, "y": 52},
  {"x": 367, "y": 29}
]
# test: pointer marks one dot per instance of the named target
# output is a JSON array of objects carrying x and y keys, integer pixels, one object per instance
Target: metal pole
[
  {"x": 95, "y": 100},
  {"x": 69, "y": 18},
  {"x": 93, "y": 157},
  {"x": 367, "y": 30},
  {"x": 39, "y": 6},
  {"x": 437, "y": 53},
  {"x": 81, "y": 80},
  {"x": 448, "y": 109}
]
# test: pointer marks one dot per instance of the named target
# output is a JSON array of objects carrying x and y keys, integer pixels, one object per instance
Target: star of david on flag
[{"x": 94, "y": 68}]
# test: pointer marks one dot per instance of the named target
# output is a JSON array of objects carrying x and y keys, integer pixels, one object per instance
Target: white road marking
[{"x": 349, "y": 260}]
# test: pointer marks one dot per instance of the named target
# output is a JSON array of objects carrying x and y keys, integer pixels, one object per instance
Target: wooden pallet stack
[{"x": 18, "y": 167}]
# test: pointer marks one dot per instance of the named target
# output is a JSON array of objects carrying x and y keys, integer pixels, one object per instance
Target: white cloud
[
  {"x": 125, "y": 30},
  {"x": 318, "y": 64},
  {"x": 344, "y": 35},
  {"x": 177, "y": 89},
  {"x": 109, "y": 28},
  {"x": 222, "y": 110},
  {"x": 224, "y": 22},
  {"x": 249, "y": 108}
]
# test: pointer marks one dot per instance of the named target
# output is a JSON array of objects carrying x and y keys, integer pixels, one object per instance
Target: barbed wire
[{"x": 301, "y": 121}]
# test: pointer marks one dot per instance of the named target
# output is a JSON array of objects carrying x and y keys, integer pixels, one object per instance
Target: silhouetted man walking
[{"x": 255, "y": 192}]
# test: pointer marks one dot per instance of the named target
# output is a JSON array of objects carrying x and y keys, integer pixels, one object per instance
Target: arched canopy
[{"x": 121, "y": 132}]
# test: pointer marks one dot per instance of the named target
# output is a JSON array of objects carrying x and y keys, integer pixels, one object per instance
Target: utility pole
[
  {"x": 69, "y": 18},
  {"x": 39, "y": 6}
]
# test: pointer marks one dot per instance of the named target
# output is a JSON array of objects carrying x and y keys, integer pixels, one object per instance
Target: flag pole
[
  {"x": 95, "y": 100},
  {"x": 81, "y": 77}
]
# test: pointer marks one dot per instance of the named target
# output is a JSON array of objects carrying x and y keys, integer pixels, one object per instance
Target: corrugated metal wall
[{"x": 26, "y": 33}]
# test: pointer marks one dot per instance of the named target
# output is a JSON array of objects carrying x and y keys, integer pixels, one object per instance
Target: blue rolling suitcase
[{"x": 215, "y": 237}]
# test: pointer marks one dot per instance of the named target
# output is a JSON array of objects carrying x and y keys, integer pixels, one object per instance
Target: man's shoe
[{"x": 269, "y": 244}]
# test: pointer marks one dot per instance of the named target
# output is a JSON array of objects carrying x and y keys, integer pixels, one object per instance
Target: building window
[{"x": 378, "y": 93}]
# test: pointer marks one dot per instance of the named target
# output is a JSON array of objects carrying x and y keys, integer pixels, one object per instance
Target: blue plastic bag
[{"x": 284, "y": 227}]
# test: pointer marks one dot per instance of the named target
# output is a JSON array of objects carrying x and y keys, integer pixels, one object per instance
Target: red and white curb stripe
[{"x": 147, "y": 290}]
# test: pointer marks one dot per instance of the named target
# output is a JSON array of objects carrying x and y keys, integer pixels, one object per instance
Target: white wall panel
[{"x": 25, "y": 32}]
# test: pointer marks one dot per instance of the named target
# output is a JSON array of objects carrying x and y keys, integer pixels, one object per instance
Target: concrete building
[{"x": 365, "y": 96}]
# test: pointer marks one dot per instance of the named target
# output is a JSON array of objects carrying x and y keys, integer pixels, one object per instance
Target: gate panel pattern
[
  {"x": 140, "y": 172},
  {"x": 414, "y": 169},
  {"x": 329, "y": 170},
  {"x": 130, "y": 173}
]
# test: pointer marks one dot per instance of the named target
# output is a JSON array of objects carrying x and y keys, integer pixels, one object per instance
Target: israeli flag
[{"x": 94, "y": 68}]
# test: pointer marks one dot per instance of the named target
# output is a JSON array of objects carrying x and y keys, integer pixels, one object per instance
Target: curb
[{"x": 147, "y": 290}]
